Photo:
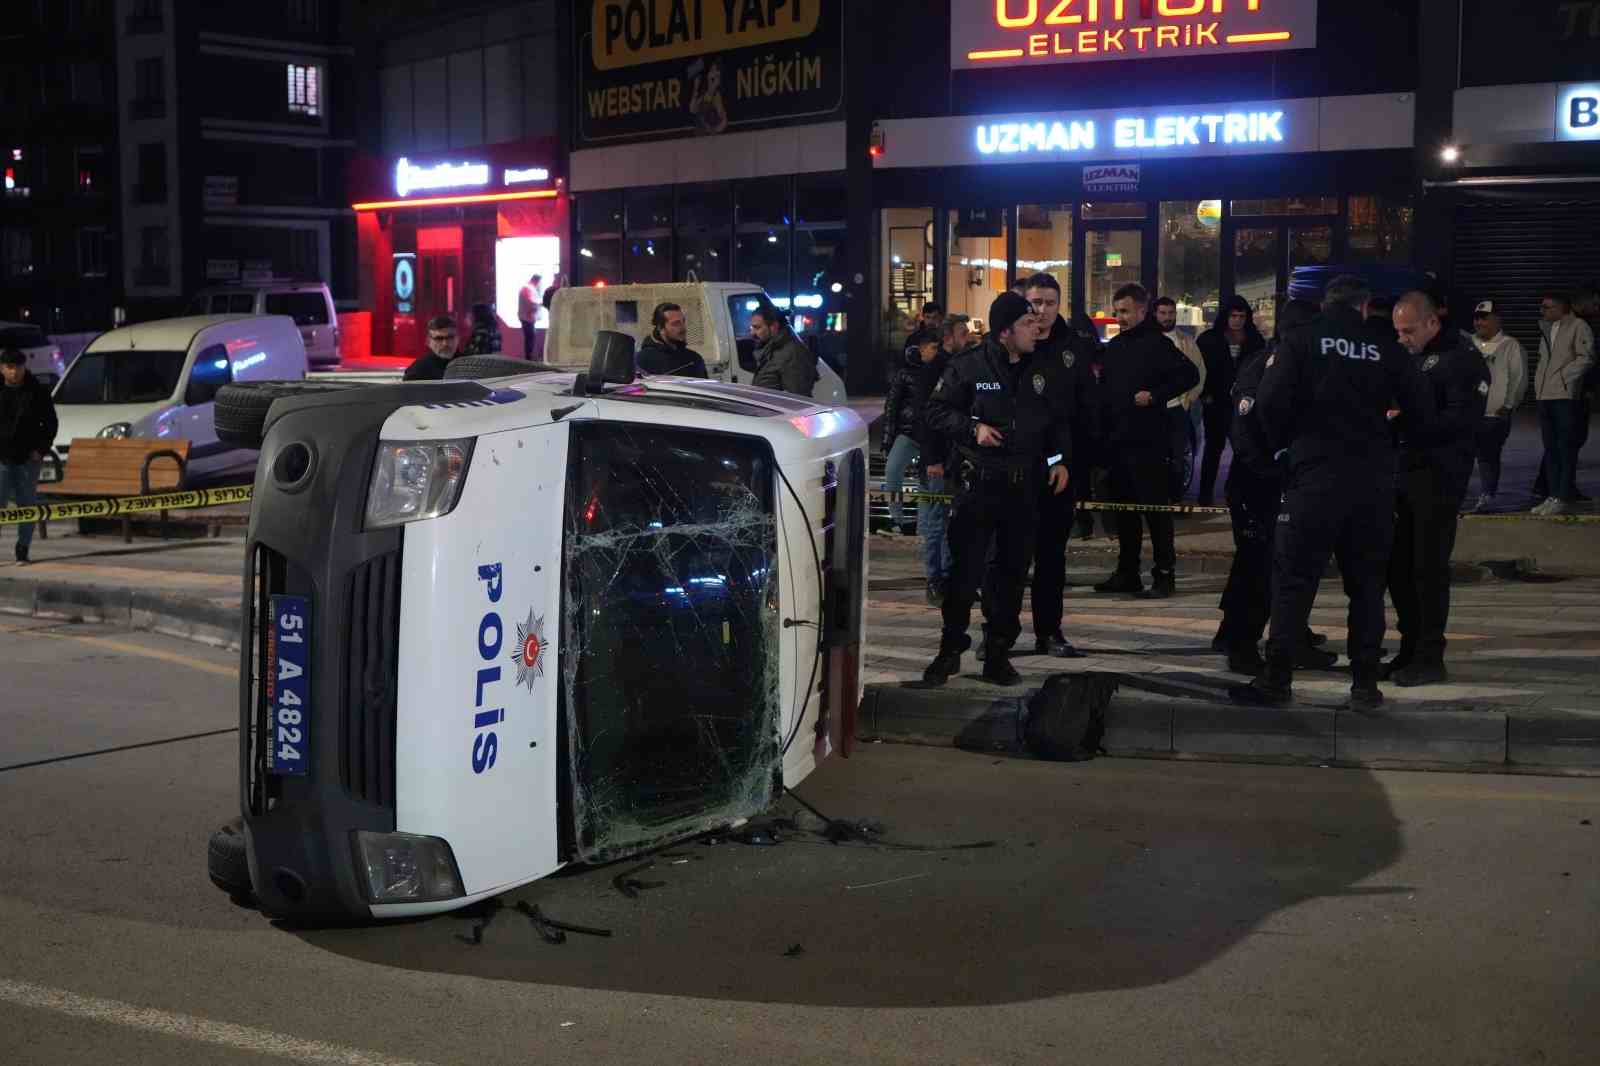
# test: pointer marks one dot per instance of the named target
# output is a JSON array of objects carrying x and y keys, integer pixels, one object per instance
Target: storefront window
[
  {"x": 763, "y": 257},
  {"x": 1099, "y": 212},
  {"x": 650, "y": 211},
  {"x": 599, "y": 213},
  {"x": 1257, "y": 253},
  {"x": 820, "y": 200},
  {"x": 977, "y": 267},
  {"x": 647, "y": 259},
  {"x": 1287, "y": 205},
  {"x": 1190, "y": 268},
  {"x": 764, "y": 202},
  {"x": 1113, "y": 258},
  {"x": 1044, "y": 242},
  {"x": 702, "y": 258},
  {"x": 599, "y": 260},
  {"x": 1380, "y": 230},
  {"x": 1310, "y": 246},
  {"x": 704, "y": 208},
  {"x": 907, "y": 272}
]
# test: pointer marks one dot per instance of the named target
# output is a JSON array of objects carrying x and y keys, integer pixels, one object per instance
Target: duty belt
[{"x": 1014, "y": 471}]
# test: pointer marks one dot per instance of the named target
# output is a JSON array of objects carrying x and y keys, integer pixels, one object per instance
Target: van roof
[{"x": 171, "y": 333}]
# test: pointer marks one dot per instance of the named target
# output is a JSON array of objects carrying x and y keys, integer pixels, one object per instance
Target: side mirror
[{"x": 612, "y": 361}]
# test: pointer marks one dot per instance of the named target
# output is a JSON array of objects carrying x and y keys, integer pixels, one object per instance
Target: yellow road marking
[{"x": 128, "y": 649}]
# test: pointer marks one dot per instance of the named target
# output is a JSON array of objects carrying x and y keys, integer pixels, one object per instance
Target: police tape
[
  {"x": 125, "y": 506},
  {"x": 1156, "y": 508}
]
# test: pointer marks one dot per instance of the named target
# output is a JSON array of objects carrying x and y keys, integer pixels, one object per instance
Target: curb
[
  {"x": 1149, "y": 719},
  {"x": 186, "y": 617}
]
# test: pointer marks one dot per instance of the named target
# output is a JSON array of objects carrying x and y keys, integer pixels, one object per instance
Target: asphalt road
[{"x": 1117, "y": 911}]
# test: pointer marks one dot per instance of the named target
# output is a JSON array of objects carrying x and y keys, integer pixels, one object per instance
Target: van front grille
[{"x": 371, "y": 681}]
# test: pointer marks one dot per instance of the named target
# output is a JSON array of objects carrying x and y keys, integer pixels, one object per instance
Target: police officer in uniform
[
  {"x": 1435, "y": 463},
  {"x": 1005, "y": 413},
  {"x": 1325, "y": 396}
]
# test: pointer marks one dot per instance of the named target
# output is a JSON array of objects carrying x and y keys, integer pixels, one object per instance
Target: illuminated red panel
[{"x": 440, "y": 201}]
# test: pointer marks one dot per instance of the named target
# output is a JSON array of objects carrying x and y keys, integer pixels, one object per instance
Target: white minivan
[
  {"x": 717, "y": 314},
  {"x": 159, "y": 379},
  {"x": 309, "y": 303}
]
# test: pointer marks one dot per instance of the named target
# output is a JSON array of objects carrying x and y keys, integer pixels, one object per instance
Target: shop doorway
[
  {"x": 439, "y": 273},
  {"x": 1113, "y": 255},
  {"x": 1265, "y": 255}
]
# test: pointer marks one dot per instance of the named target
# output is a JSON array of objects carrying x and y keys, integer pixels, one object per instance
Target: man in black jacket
[
  {"x": 1226, "y": 346},
  {"x": 1435, "y": 463},
  {"x": 666, "y": 350},
  {"x": 900, "y": 417},
  {"x": 1003, "y": 412},
  {"x": 1143, "y": 370},
  {"x": 442, "y": 338},
  {"x": 27, "y": 432},
  {"x": 933, "y": 516},
  {"x": 1325, "y": 398},
  {"x": 1058, "y": 343}
]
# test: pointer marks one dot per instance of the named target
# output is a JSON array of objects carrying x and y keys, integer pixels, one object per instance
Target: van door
[
  {"x": 195, "y": 421},
  {"x": 670, "y": 635}
]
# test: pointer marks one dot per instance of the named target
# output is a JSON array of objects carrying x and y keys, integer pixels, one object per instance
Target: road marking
[
  {"x": 188, "y": 1027},
  {"x": 118, "y": 748},
  {"x": 230, "y": 672}
]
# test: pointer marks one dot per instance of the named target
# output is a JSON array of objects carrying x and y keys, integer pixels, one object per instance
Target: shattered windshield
[{"x": 671, "y": 633}]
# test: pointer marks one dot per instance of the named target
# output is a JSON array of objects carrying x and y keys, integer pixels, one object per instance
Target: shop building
[
  {"x": 439, "y": 234},
  {"x": 1200, "y": 149},
  {"x": 713, "y": 149},
  {"x": 1512, "y": 193}
]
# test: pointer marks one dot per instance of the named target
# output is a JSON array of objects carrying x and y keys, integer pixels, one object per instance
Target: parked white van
[
  {"x": 309, "y": 303},
  {"x": 159, "y": 379},
  {"x": 718, "y": 317}
]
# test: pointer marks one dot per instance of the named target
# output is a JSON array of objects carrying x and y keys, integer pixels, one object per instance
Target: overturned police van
[{"x": 497, "y": 625}]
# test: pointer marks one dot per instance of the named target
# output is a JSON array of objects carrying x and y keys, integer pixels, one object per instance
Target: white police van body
[{"x": 496, "y": 627}]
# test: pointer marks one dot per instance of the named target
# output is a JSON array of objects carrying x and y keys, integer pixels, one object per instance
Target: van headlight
[
  {"x": 117, "y": 430},
  {"x": 402, "y": 868},
  {"x": 413, "y": 480}
]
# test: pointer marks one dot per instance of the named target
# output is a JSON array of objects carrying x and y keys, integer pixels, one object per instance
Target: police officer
[
  {"x": 1004, "y": 411},
  {"x": 1325, "y": 396},
  {"x": 1435, "y": 463},
  {"x": 1254, "y": 489}
]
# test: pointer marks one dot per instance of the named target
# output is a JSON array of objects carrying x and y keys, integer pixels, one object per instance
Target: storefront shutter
[{"x": 1513, "y": 251}]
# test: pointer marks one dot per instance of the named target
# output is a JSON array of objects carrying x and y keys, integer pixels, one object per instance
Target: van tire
[
  {"x": 226, "y": 862},
  {"x": 240, "y": 410},
  {"x": 480, "y": 367}
]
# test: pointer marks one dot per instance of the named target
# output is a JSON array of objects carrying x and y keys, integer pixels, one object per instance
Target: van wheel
[
  {"x": 480, "y": 367},
  {"x": 240, "y": 410},
  {"x": 226, "y": 862}
]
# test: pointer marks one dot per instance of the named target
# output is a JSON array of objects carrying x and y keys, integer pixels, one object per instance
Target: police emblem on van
[
  {"x": 1038, "y": 384},
  {"x": 528, "y": 656}
]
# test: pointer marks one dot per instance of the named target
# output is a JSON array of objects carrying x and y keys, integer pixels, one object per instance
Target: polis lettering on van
[{"x": 490, "y": 637}]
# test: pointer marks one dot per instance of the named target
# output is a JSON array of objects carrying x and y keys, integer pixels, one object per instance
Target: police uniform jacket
[
  {"x": 1326, "y": 392},
  {"x": 1076, "y": 354},
  {"x": 1457, "y": 380},
  {"x": 1252, "y": 451},
  {"x": 1027, "y": 402},
  {"x": 1142, "y": 360}
]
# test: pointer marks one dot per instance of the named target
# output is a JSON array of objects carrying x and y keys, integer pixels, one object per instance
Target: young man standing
[
  {"x": 528, "y": 300},
  {"x": 783, "y": 362},
  {"x": 1508, "y": 383},
  {"x": 666, "y": 350},
  {"x": 1143, "y": 371},
  {"x": 1225, "y": 346},
  {"x": 1566, "y": 352},
  {"x": 900, "y": 417},
  {"x": 27, "y": 432}
]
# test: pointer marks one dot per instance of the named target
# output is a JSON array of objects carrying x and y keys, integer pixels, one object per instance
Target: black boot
[
  {"x": 1309, "y": 658},
  {"x": 1163, "y": 583},
  {"x": 1401, "y": 660},
  {"x": 1057, "y": 646},
  {"x": 1316, "y": 640},
  {"x": 1121, "y": 581},
  {"x": 1220, "y": 642},
  {"x": 1245, "y": 659},
  {"x": 1364, "y": 695},
  {"x": 947, "y": 663},
  {"x": 1272, "y": 687},
  {"x": 997, "y": 668},
  {"x": 1420, "y": 673}
]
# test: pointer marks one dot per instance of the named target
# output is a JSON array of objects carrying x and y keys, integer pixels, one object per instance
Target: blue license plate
[{"x": 289, "y": 686}]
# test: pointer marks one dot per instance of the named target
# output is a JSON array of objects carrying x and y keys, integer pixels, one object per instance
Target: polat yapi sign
[
  {"x": 652, "y": 67},
  {"x": 1009, "y": 33}
]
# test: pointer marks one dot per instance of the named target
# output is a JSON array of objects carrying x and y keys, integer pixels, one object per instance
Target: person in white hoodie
[
  {"x": 1508, "y": 384},
  {"x": 1566, "y": 352}
]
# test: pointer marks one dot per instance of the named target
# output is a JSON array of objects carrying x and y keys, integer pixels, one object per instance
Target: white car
[
  {"x": 497, "y": 627},
  {"x": 45, "y": 361},
  {"x": 717, "y": 314},
  {"x": 160, "y": 379}
]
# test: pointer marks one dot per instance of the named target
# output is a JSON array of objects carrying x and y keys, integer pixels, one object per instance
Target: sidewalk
[{"x": 1524, "y": 656}]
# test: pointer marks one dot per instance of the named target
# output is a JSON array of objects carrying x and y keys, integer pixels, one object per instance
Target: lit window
[{"x": 305, "y": 90}]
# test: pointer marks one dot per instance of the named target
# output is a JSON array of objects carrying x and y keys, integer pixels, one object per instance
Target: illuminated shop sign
[
  {"x": 1134, "y": 133},
  {"x": 410, "y": 178},
  {"x": 524, "y": 175},
  {"x": 1578, "y": 113},
  {"x": 1002, "y": 33}
]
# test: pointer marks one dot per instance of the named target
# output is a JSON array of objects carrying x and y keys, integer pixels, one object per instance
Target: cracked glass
[{"x": 671, "y": 634}]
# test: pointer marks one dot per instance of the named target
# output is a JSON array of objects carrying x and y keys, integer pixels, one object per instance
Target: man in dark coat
[
  {"x": 783, "y": 362},
  {"x": 1226, "y": 346},
  {"x": 1143, "y": 370},
  {"x": 27, "y": 433},
  {"x": 666, "y": 350},
  {"x": 442, "y": 338}
]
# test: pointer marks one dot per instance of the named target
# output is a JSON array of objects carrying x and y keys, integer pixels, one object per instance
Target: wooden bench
[{"x": 105, "y": 467}]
